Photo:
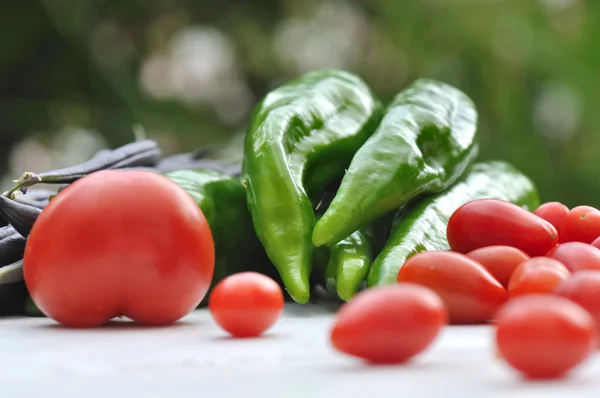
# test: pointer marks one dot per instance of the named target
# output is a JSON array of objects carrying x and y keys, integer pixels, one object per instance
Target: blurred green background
[{"x": 76, "y": 76}]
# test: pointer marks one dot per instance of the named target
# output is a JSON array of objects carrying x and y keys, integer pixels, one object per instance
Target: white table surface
[{"x": 194, "y": 358}]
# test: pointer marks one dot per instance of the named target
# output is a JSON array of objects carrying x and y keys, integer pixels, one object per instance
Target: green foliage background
[{"x": 532, "y": 68}]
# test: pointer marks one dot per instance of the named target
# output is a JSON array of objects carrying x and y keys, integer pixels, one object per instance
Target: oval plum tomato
[
  {"x": 581, "y": 224},
  {"x": 537, "y": 275},
  {"x": 469, "y": 291},
  {"x": 492, "y": 222},
  {"x": 553, "y": 212},
  {"x": 119, "y": 243},
  {"x": 246, "y": 304},
  {"x": 389, "y": 324},
  {"x": 500, "y": 261},
  {"x": 544, "y": 336},
  {"x": 577, "y": 256},
  {"x": 584, "y": 289}
]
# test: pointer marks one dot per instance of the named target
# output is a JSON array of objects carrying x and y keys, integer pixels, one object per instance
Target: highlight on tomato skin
[
  {"x": 537, "y": 275},
  {"x": 581, "y": 224},
  {"x": 583, "y": 288},
  {"x": 246, "y": 304},
  {"x": 492, "y": 222},
  {"x": 471, "y": 294},
  {"x": 500, "y": 261},
  {"x": 389, "y": 324},
  {"x": 553, "y": 212},
  {"x": 544, "y": 336},
  {"x": 576, "y": 256}
]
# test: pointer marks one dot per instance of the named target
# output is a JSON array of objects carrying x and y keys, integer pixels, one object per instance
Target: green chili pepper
[
  {"x": 424, "y": 143},
  {"x": 222, "y": 199},
  {"x": 301, "y": 137},
  {"x": 421, "y": 225},
  {"x": 345, "y": 265}
]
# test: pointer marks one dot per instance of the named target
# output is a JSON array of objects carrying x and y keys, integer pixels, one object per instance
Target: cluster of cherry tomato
[{"x": 535, "y": 276}]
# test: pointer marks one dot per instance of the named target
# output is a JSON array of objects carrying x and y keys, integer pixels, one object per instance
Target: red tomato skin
[
  {"x": 246, "y": 304},
  {"x": 553, "y": 212},
  {"x": 577, "y": 256},
  {"x": 543, "y": 335},
  {"x": 583, "y": 288},
  {"x": 581, "y": 224},
  {"x": 500, "y": 261},
  {"x": 492, "y": 222},
  {"x": 389, "y": 324},
  {"x": 469, "y": 291},
  {"x": 596, "y": 243},
  {"x": 537, "y": 275},
  {"x": 119, "y": 243}
]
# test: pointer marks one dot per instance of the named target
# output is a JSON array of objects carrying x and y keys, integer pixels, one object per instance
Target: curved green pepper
[
  {"x": 345, "y": 266},
  {"x": 301, "y": 137},
  {"x": 426, "y": 140},
  {"x": 222, "y": 199},
  {"x": 421, "y": 226}
]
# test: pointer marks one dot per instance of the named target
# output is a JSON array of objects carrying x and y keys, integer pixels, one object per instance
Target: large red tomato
[{"x": 119, "y": 243}]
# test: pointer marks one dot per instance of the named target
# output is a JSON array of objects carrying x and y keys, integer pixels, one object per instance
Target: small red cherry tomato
[
  {"x": 246, "y": 304},
  {"x": 537, "y": 275},
  {"x": 544, "y": 336},
  {"x": 469, "y": 291},
  {"x": 389, "y": 324},
  {"x": 553, "y": 212},
  {"x": 581, "y": 224},
  {"x": 577, "y": 256},
  {"x": 119, "y": 243},
  {"x": 500, "y": 261},
  {"x": 584, "y": 289},
  {"x": 492, "y": 222}
]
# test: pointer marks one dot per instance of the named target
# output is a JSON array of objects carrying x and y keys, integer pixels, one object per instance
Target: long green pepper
[
  {"x": 421, "y": 225},
  {"x": 302, "y": 136},
  {"x": 222, "y": 199},
  {"x": 424, "y": 143}
]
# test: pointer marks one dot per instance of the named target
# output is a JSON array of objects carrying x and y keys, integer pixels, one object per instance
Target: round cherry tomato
[
  {"x": 492, "y": 222},
  {"x": 119, "y": 243},
  {"x": 500, "y": 261},
  {"x": 389, "y": 324},
  {"x": 246, "y": 304},
  {"x": 469, "y": 291},
  {"x": 584, "y": 289},
  {"x": 537, "y": 275},
  {"x": 544, "y": 336},
  {"x": 577, "y": 256},
  {"x": 553, "y": 212},
  {"x": 581, "y": 224}
]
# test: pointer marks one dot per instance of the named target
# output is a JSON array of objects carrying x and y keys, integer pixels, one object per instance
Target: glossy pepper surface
[
  {"x": 424, "y": 143},
  {"x": 302, "y": 136},
  {"x": 222, "y": 199},
  {"x": 421, "y": 225},
  {"x": 347, "y": 265}
]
